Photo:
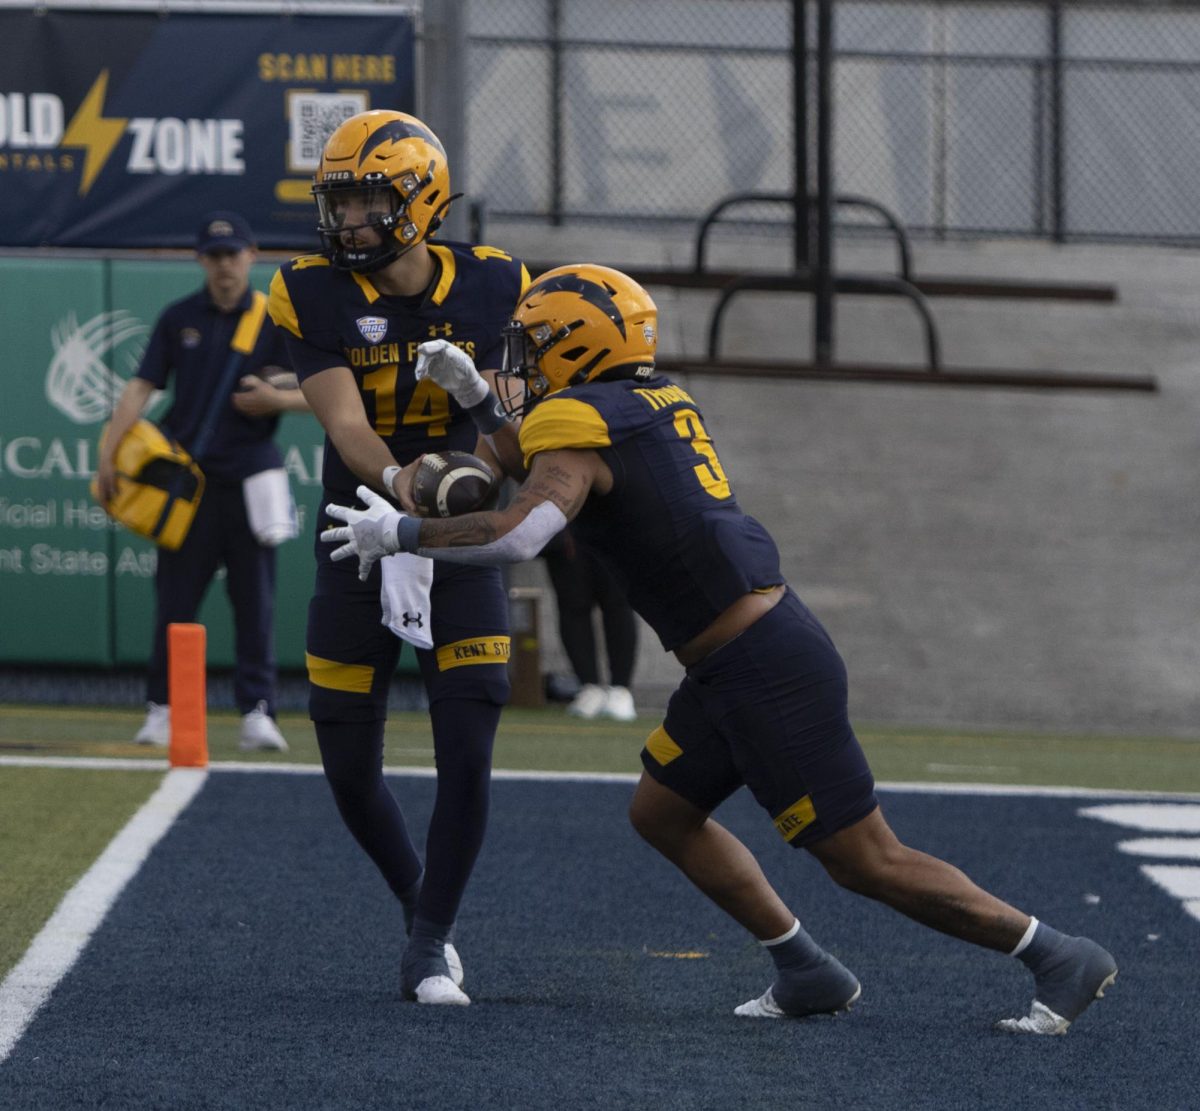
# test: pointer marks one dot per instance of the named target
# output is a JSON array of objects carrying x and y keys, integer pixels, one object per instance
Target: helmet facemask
[
  {"x": 345, "y": 208},
  {"x": 524, "y": 348}
]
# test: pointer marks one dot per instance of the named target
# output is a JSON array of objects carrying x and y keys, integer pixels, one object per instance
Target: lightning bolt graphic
[{"x": 92, "y": 131}]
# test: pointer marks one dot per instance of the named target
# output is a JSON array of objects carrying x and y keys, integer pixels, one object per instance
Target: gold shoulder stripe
[
  {"x": 660, "y": 745},
  {"x": 524, "y": 279},
  {"x": 796, "y": 817},
  {"x": 355, "y": 678},
  {"x": 303, "y": 262},
  {"x": 245, "y": 335},
  {"x": 279, "y": 305},
  {"x": 562, "y": 422},
  {"x": 474, "y": 650},
  {"x": 369, "y": 291},
  {"x": 484, "y": 253},
  {"x": 446, "y": 279}
]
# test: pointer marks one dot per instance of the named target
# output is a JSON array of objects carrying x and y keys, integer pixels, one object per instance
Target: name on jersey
[
  {"x": 381, "y": 354},
  {"x": 664, "y": 396}
]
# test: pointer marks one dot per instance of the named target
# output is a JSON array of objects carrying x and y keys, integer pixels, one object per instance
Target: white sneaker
[
  {"x": 156, "y": 729},
  {"x": 1040, "y": 1020},
  {"x": 766, "y": 1007},
  {"x": 441, "y": 991},
  {"x": 588, "y": 703},
  {"x": 260, "y": 731},
  {"x": 618, "y": 704}
]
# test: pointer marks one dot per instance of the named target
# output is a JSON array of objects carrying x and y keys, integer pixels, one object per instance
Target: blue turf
[{"x": 254, "y": 963}]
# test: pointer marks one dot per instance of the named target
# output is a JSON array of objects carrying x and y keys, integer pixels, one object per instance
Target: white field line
[
  {"x": 584, "y": 777},
  {"x": 56, "y": 948}
]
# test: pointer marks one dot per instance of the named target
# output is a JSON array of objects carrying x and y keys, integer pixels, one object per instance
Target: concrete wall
[{"x": 982, "y": 556}]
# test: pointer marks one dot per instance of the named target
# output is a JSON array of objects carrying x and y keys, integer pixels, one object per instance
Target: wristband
[
  {"x": 408, "y": 533},
  {"x": 471, "y": 395},
  {"x": 389, "y": 476},
  {"x": 487, "y": 414}
]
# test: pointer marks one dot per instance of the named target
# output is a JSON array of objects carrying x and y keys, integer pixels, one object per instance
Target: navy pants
[{"x": 220, "y": 535}]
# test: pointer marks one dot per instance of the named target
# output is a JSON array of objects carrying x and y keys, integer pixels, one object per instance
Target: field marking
[
  {"x": 58, "y": 945},
  {"x": 245, "y": 767}
]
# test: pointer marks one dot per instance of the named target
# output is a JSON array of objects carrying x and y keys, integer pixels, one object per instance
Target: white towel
[
  {"x": 270, "y": 507},
  {"x": 405, "y": 597}
]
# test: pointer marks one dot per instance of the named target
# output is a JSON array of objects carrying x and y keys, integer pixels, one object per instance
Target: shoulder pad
[{"x": 562, "y": 422}]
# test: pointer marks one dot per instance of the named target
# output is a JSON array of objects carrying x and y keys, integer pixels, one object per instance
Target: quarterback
[
  {"x": 370, "y": 323},
  {"x": 626, "y": 454}
]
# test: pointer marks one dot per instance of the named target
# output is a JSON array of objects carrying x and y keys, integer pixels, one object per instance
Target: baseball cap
[{"x": 223, "y": 231}]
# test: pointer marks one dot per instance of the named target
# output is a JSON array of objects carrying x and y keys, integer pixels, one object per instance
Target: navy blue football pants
[{"x": 220, "y": 535}]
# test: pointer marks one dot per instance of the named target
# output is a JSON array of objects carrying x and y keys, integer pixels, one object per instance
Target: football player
[
  {"x": 382, "y": 301},
  {"x": 626, "y": 455}
]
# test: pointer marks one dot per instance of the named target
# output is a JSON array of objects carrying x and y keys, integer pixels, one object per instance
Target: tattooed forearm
[
  {"x": 554, "y": 485},
  {"x": 472, "y": 530}
]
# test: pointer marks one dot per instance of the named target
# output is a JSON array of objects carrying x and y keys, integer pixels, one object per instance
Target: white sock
[
  {"x": 1026, "y": 938},
  {"x": 784, "y": 937}
]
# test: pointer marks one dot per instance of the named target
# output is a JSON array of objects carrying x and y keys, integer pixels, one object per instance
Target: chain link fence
[{"x": 1070, "y": 121}]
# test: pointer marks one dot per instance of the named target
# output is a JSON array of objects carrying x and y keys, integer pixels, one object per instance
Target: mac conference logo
[
  {"x": 373, "y": 328},
  {"x": 80, "y": 383}
]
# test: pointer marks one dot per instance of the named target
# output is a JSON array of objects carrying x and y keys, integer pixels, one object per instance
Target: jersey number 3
[{"x": 689, "y": 426}]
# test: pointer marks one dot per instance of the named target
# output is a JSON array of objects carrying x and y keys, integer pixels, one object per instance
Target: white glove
[
  {"x": 368, "y": 533},
  {"x": 451, "y": 368}
]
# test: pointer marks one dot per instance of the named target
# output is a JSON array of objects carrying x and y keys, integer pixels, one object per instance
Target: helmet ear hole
[{"x": 574, "y": 354}]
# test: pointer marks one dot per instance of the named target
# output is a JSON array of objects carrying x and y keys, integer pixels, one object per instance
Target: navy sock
[
  {"x": 408, "y": 903},
  {"x": 1042, "y": 948},
  {"x": 798, "y": 954}
]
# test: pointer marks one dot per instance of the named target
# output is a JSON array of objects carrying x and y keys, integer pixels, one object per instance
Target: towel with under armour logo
[{"x": 405, "y": 597}]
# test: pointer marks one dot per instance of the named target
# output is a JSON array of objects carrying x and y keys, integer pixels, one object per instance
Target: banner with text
[
  {"x": 76, "y": 589},
  {"x": 120, "y": 129}
]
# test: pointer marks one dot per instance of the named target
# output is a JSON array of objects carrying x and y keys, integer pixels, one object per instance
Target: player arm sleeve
[{"x": 522, "y": 542}]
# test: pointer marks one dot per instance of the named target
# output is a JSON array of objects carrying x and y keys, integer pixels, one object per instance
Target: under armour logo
[
  {"x": 413, "y": 619},
  {"x": 440, "y": 329}
]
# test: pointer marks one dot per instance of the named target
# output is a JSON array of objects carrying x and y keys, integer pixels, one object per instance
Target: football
[{"x": 450, "y": 483}]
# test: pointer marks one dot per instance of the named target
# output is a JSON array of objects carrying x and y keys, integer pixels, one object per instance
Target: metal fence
[{"x": 1069, "y": 121}]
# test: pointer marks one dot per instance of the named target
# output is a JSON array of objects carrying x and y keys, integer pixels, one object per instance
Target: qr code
[{"x": 312, "y": 118}]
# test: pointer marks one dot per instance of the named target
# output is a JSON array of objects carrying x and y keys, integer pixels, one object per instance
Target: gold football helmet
[
  {"x": 385, "y": 171},
  {"x": 577, "y": 323}
]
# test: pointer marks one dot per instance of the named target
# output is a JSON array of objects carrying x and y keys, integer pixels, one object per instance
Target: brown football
[{"x": 450, "y": 483}]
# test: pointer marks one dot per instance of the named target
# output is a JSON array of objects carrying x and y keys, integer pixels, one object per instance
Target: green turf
[
  {"x": 54, "y": 822},
  {"x": 549, "y": 740}
]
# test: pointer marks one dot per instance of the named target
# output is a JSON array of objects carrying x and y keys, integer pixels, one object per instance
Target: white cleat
[
  {"x": 1042, "y": 1020},
  {"x": 618, "y": 704},
  {"x": 441, "y": 991},
  {"x": 259, "y": 731},
  {"x": 454, "y": 963},
  {"x": 766, "y": 1007},
  {"x": 156, "y": 729},
  {"x": 589, "y": 703}
]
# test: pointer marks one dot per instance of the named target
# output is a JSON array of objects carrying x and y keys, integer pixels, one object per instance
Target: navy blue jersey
[
  {"x": 338, "y": 318},
  {"x": 192, "y": 345},
  {"x": 671, "y": 528}
]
